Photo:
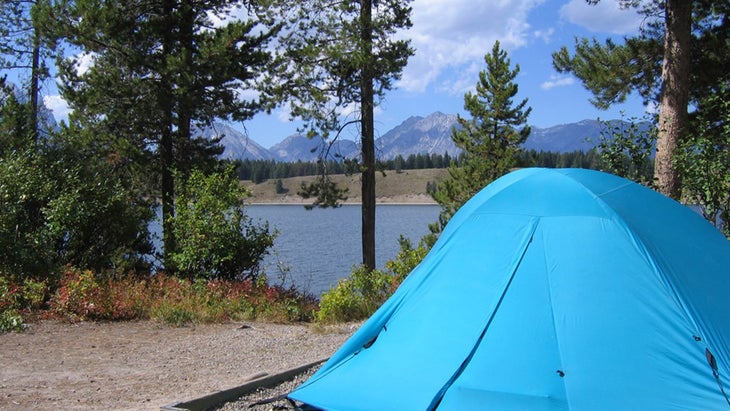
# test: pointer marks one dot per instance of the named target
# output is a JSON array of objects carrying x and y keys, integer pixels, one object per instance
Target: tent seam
[
  {"x": 548, "y": 277},
  {"x": 442, "y": 392}
]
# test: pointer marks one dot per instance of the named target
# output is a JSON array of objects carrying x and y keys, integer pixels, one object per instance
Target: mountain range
[{"x": 415, "y": 135}]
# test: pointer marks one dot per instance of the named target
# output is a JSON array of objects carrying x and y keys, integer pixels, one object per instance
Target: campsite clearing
[{"x": 145, "y": 365}]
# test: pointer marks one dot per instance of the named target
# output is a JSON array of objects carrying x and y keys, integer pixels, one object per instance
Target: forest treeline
[{"x": 258, "y": 171}]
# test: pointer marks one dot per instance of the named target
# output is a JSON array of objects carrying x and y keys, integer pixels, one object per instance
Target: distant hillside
[
  {"x": 298, "y": 147},
  {"x": 581, "y": 136},
  {"x": 393, "y": 187},
  {"x": 415, "y": 135}
]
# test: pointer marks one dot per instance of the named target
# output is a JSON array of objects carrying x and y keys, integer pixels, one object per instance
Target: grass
[{"x": 407, "y": 186}]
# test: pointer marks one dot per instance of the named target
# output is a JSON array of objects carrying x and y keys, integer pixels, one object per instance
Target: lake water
[{"x": 321, "y": 246}]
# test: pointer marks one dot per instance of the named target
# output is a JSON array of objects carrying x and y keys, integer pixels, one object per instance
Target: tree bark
[
  {"x": 35, "y": 78},
  {"x": 368, "y": 137},
  {"x": 675, "y": 94},
  {"x": 184, "y": 102},
  {"x": 167, "y": 151}
]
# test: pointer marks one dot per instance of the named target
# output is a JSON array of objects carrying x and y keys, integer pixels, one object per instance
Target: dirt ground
[{"x": 145, "y": 365}]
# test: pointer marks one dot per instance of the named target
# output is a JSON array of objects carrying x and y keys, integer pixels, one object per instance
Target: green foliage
[
  {"x": 327, "y": 50},
  {"x": 491, "y": 139},
  {"x": 643, "y": 64},
  {"x": 612, "y": 71},
  {"x": 358, "y": 296},
  {"x": 324, "y": 191},
  {"x": 339, "y": 54},
  {"x": 261, "y": 170},
  {"x": 26, "y": 248},
  {"x": 355, "y": 298},
  {"x": 64, "y": 202},
  {"x": 216, "y": 239},
  {"x": 572, "y": 159},
  {"x": 704, "y": 159},
  {"x": 14, "y": 131},
  {"x": 61, "y": 207},
  {"x": 17, "y": 298},
  {"x": 626, "y": 150},
  {"x": 160, "y": 69},
  {"x": 408, "y": 258},
  {"x": 11, "y": 320},
  {"x": 280, "y": 187}
]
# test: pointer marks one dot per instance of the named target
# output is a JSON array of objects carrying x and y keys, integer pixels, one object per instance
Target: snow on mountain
[{"x": 237, "y": 145}]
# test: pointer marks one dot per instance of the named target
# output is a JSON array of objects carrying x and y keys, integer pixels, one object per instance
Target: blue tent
[{"x": 549, "y": 290}]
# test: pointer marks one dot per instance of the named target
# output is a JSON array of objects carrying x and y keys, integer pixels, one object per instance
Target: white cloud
[
  {"x": 283, "y": 114},
  {"x": 456, "y": 34},
  {"x": 227, "y": 15},
  {"x": 557, "y": 81},
  {"x": 84, "y": 62},
  {"x": 544, "y": 35},
  {"x": 605, "y": 17},
  {"x": 652, "y": 108},
  {"x": 58, "y": 106}
]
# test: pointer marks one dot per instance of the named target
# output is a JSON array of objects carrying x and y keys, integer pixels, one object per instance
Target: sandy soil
[{"x": 145, "y": 365}]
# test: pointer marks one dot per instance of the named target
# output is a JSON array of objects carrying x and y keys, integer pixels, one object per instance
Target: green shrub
[
  {"x": 215, "y": 238},
  {"x": 34, "y": 294},
  {"x": 359, "y": 296},
  {"x": 407, "y": 259},
  {"x": 60, "y": 206},
  {"x": 11, "y": 320},
  {"x": 341, "y": 304},
  {"x": 16, "y": 299},
  {"x": 355, "y": 298}
]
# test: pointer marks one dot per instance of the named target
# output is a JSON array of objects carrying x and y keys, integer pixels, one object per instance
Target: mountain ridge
[{"x": 415, "y": 135}]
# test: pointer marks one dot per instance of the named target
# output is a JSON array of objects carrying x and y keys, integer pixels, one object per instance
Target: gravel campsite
[{"x": 144, "y": 365}]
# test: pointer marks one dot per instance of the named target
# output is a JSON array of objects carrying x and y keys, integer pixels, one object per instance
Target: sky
[{"x": 451, "y": 38}]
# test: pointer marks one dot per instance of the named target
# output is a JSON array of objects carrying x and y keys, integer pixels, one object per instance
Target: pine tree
[
  {"x": 160, "y": 67},
  {"x": 24, "y": 47},
  {"x": 660, "y": 65},
  {"x": 491, "y": 139},
  {"x": 343, "y": 54}
]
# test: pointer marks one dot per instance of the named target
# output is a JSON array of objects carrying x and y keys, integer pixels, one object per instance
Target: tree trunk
[
  {"x": 368, "y": 138},
  {"x": 167, "y": 152},
  {"x": 675, "y": 94},
  {"x": 35, "y": 77},
  {"x": 184, "y": 100}
]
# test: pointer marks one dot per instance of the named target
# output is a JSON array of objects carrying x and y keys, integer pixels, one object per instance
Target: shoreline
[
  {"x": 285, "y": 203},
  {"x": 408, "y": 200}
]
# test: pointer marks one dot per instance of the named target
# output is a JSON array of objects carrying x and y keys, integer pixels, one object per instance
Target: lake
[{"x": 320, "y": 246}]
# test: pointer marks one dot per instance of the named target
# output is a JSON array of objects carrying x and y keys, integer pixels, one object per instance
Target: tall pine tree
[
  {"x": 158, "y": 68},
  {"x": 491, "y": 139},
  {"x": 656, "y": 64},
  {"x": 342, "y": 56}
]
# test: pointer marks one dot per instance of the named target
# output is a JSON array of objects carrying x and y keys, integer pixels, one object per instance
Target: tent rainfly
[{"x": 551, "y": 289}]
